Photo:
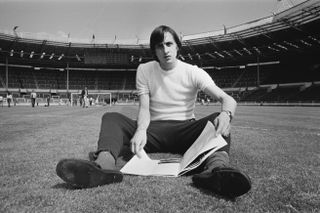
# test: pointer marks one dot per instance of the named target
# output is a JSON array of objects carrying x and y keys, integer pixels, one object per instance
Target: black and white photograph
[{"x": 159, "y": 106}]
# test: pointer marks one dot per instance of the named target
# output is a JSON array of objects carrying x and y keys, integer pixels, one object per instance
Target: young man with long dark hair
[{"x": 167, "y": 89}]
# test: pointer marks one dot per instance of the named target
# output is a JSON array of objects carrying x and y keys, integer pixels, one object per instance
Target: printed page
[
  {"x": 201, "y": 158},
  {"x": 206, "y": 141}
]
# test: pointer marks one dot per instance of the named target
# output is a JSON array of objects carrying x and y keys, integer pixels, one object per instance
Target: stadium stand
[{"x": 272, "y": 59}]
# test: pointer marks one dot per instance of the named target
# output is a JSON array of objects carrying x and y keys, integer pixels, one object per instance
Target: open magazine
[{"x": 206, "y": 144}]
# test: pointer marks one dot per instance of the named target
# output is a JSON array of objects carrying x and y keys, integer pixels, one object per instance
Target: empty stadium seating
[{"x": 236, "y": 81}]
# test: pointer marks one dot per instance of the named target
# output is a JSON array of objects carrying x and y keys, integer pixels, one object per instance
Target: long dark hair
[{"x": 157, "y": 37}]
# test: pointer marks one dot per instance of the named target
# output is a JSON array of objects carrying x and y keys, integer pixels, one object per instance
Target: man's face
[{"x": 166, "y": 51}]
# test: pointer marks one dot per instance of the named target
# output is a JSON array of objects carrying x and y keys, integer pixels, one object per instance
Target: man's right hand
[{"x": 138, "y": 141}]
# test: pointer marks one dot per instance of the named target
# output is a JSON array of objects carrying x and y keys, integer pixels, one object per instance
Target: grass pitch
[{"x": 279, "y": 147}]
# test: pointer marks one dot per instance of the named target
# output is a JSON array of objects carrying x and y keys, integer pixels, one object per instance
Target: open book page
[
  {"x": 205, "y": 145},
  {"x": 147, "y": 167},
  {"x": 202, "y": 144},
  {"x": 220, "y": 142}
]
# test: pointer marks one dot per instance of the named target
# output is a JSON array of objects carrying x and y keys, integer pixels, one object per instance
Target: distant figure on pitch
[
  {"x": 208, "y": 101},
  {"x": 9, "y": 98},
  {"x": 33, "y": 98},
  {"x": 48, "y": 100},
  {"x": 167, "y": 89},
  {"x": 1, "y": 100},
  {"x": 84, "y": 97}
]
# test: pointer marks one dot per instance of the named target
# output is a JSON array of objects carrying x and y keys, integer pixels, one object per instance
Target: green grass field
[{"x": 279, "y": 147}]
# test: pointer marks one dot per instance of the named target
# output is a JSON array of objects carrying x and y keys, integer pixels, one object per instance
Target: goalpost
[{"x": 97, "y": 98}]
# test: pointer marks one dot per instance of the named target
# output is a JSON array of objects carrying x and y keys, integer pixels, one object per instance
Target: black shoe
[
  {"x": 225, "y": 181},
  {"x": 86, "y": 174}
]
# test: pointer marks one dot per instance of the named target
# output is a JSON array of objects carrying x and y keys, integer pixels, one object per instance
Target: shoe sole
[
  {"x": 85, "y": 174},
  {"x": 233, "y": 182},
  {"x": 226, "y": 182}
]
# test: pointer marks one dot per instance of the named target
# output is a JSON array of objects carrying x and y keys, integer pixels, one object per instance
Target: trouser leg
[
  {"x": 117, "y": 130},
  {"x": 115, "y": 133}
]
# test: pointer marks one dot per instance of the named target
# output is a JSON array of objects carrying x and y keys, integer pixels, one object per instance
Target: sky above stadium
[{"x": 126, "y": 19}]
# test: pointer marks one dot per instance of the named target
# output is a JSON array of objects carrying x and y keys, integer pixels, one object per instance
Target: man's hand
[
  {"x": 138, "y": 141},
  {"x": 222, "y": 124}
]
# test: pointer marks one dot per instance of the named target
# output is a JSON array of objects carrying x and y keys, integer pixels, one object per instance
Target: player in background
[
  {"x": 9, "y": 98},
  {"x": 33, "y": 98}
]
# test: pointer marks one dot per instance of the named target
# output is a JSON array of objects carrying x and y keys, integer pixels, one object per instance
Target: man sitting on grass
[{"x": 167, "y": 89}]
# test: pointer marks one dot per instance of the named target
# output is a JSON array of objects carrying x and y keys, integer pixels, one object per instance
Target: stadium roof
[{"x": 287, "y": 31}]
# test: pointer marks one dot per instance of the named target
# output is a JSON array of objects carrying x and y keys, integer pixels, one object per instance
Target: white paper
[{"x": 206, "y": 144}]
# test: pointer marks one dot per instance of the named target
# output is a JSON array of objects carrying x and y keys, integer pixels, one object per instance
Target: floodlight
[
  {"x": 247, "y": 51},
  {"x": 257, "y": 50},
  {"x": 239, "y": 53},
  {"x": 61, "y": 56},
  {"x": 226, "y": 52},
  {"x": 305, "y": 43},
  {"x": 290, "y": 44},
  {"x": 314, "y": 39},
  {"x": 78, "y": 58},
  {"x": 274, "y": 49},
  {"x": 219, "y": 54},
  {"x": 198, "y": 55},
  {"x": 281, "y": 46},
  {"x": 212, "y": 56}
]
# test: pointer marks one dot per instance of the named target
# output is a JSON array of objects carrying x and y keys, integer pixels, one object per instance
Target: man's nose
[{"x": 165, "y": 49}]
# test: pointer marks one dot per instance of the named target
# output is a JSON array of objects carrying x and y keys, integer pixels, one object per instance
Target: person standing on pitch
[
  {"x": 9, "y": 98},
  {"x": 84, "y": 97},
  {"x": 1, "y": 100},
  {"x": 48, "y": 100},
  {"x": 33, "y": 98},
  {"x": 167, "y": 89}
]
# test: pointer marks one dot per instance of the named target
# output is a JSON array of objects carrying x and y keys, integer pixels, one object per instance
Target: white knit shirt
[{"x": 172, "y": 93}]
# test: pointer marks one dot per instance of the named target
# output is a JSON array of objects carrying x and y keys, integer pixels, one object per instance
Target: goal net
[{"x": 99, "y": 98}]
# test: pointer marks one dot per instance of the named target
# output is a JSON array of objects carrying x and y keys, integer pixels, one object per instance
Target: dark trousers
[
  {"x": 33, "y": 101},
  {"x": 162, "y": 136}
]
